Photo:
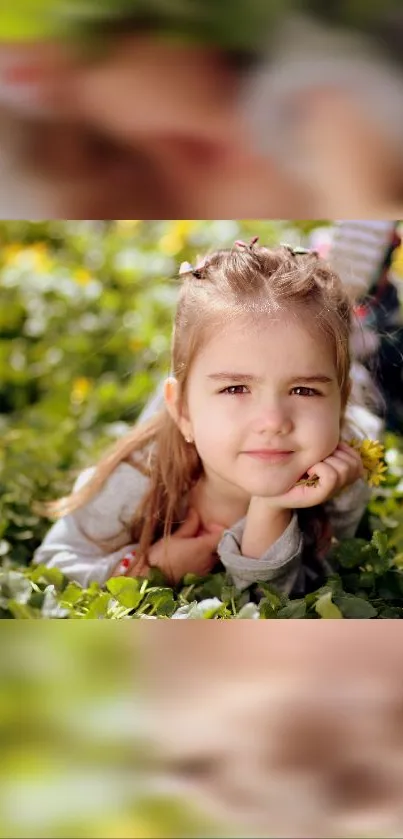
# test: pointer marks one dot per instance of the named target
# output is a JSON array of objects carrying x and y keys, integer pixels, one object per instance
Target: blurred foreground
[
  {"x": 203, "y": 109},
  {"x": 275, "y": 730}
]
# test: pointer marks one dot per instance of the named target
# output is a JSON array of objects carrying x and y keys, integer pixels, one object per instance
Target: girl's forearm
[{"x": 264, "y": 525}]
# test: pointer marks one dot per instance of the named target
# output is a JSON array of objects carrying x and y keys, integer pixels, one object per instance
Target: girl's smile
[{"x": 270, "y": 456}]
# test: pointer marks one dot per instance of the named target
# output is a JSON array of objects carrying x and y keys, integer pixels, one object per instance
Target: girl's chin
[{"x": 269, "y": 491}]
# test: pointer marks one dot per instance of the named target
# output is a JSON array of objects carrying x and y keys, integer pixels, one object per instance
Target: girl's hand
[
  {"x": 189, "y": 550},
  {"x": 335, "y": 472}
]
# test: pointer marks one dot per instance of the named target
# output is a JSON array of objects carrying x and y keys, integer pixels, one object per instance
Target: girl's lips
[{"x": 271, "y": 456}]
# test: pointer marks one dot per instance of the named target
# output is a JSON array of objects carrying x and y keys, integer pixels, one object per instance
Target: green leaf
[
  {"x": 349, "y": 553},
  {"x": 266, "y": 611},
  {"x": 367, "y": 579},
  {"x": 155, "y": 578},
  {"x": 387, "y": 612},
  {"x": 355, "y": 607},
  {"x": 161, "y": 599},
  {"x": 126, "y": 590},
  {"x": 22, "y": 611},
  {"x": 71, "y": 594},
  {"x": 381, "y": 543},
  {"x": 275, "y": 597},
  {"x": 49, "y": 575},
  {"x": 99, "y": 607},
  {"x": 294, "y": 609},
  {"x": 326, "y": 608}
]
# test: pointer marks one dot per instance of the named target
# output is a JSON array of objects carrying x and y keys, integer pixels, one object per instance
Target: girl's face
[{"x": 271, "y": 387}]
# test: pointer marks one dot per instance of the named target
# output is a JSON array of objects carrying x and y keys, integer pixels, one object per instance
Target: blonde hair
[{"x": 244, "y": 281}]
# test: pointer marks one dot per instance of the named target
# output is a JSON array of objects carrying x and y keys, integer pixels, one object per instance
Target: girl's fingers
[
  {"x": 347, "y": 447},
  {"x": 346, "y": 450},
  {"x": 343, "y": 447},
  {"x": 327, "y": 474},
  {"x": 335, "y": 472},
  {"x": 342, "y": 468},
  {"x": 352, "y": 459},
  {"x": 308, "y": 496}
]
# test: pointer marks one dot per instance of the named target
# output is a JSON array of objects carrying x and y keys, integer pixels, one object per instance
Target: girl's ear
[
  {"x": 171, "y": 391},
  {"x": 171, "y": 398}
]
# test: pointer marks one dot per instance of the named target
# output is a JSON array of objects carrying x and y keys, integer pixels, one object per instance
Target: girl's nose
[{"x": 275, "y": 421}]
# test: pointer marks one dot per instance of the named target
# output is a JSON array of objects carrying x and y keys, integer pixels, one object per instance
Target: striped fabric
[{"x": 358, "y": 249}]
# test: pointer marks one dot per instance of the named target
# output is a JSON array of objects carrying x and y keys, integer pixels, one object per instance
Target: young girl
[{"x": 258, "y": 399}]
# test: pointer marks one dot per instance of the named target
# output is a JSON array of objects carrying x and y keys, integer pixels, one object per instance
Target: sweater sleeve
[
  {"x": 71, "y": 543},
  {"x": 280, "y": 564}
]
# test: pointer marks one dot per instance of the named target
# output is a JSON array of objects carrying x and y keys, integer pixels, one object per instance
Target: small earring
[{"x": 188, "y": 439}]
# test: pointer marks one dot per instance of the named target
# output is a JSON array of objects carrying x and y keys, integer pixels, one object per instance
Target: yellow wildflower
[
  {"x": 397, "y": 261},
  {"x": 80, "y": 390},
  {"x": 82, "y": 276},
  {"x": 11, "y": 252},
  {"x": 40, "y": 256},
  {"x": 184, "y": 228},
  {"x": 171, "y": 244},
  {"x": 372, "y": 453}
]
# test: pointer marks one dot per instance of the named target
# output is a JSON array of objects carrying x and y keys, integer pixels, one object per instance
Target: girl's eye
[
  {"x": 233, "y": 390},
  {"x": 306, "y": 391}
]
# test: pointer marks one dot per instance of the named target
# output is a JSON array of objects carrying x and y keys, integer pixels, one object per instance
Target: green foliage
[
  {"x": 233, "y": 25},
  {"x": 369, "y": 584},
  {"x": 230, "y": 24}
]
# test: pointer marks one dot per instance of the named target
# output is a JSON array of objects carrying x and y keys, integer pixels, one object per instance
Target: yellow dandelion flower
[
  {"x": 397, "y": 261},
  {"x": 82, "y": 276},
  {"x": 372, "y": 453},
  {"x": 11, "y": 252},
  {"x": 184, "y": 227},
  {"x": 80, "y": 390},
  {"x": 40, "y": 256},
  {"x": 171, "y": 244}
]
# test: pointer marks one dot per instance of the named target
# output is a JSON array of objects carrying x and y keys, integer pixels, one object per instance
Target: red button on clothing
[{"x": 361, "y": 311}]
